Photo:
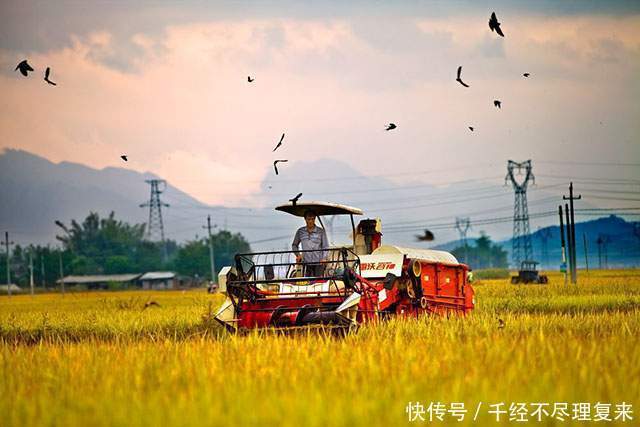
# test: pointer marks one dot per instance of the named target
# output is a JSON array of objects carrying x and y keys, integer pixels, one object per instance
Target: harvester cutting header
[{"x": 341, "y": 286}]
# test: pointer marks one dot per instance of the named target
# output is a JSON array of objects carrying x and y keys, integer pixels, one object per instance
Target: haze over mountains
[{"x": 35, "y": 192}]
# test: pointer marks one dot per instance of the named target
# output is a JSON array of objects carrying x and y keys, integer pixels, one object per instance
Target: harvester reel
[{"x": 349, "y": 279}]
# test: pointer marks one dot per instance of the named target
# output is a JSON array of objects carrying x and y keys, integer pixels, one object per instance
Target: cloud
[{"x": 177, "y": 101}]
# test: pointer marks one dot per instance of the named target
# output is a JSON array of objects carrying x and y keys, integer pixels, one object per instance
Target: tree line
[
  {"x": 110, "y": 246},
  {"x": 484, "y": 254}
]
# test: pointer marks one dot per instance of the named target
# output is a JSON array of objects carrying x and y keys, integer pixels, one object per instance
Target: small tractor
[
  {"x": 359, "y": 283},
  {"x": 528, "y": 273}
]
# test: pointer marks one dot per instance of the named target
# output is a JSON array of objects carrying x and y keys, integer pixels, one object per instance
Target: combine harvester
[{"x": 361, "y": 283}]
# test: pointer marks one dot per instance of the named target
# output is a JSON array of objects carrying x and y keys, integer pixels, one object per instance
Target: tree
[
  {"x": 109, "y": 246},
  {"x": 193, "y": 257},
  {"x": 484, "y": 254}
]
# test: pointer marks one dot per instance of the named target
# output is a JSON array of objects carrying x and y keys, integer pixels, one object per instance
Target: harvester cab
[{"x": 355, "y": 283}]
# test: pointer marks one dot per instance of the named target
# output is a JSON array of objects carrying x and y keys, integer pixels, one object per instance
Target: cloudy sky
[{"x": 166, "y": 83}]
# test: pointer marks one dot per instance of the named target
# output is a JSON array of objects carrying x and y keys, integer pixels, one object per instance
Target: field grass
[{"x": 101, "y": 359}]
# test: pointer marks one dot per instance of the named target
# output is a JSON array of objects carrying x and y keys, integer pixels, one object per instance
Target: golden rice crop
[{"x": 103, "y": 359}]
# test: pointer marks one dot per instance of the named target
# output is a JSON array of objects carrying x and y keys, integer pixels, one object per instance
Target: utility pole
[
  {"x": 586, "y": 250},
  {"x": 7, "y": 244},
  {"x": 155, "y": 226},
  {"x": 463, "y": 225},
  {"x": 563, "y": 266},
  {"x": 43, "y": 278},
  {"x": 61, "y": 271},
  {"x": 574, "y": 272},
  {"x": 599, "y": 242},
  {"x": 31, "y": 269},
  {"x": 603, "y": 259},
  {"x": 570, "y": 252},
  {"x": 211, "y": 253}
]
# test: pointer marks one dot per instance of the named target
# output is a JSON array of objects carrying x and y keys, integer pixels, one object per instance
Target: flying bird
[
  {"x": 494, "y": 24},
  {"x": 46, "y": 76},
  {"x": 24, "y": 68},
  {"x": 124, "y": 157},
  {"x": 276, "y": 162},
  {"x": 497, "y": 103},
  {"x": 295, "y": 199},
  {"x": 471, "y": 128},
  {"x": 458, "y": 79},
  {"x": 426, "y": 237},
  {"x": 526, "y": 74},
  {"x": 279, "y": 142},
  {"x": 249, "y": 79},
  {"x": 391, "y": 126}
]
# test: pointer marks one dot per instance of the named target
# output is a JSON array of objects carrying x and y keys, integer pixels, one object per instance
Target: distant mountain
[
  {"x": 34, "y": 192},
  {"x": 622, "y": 249}
]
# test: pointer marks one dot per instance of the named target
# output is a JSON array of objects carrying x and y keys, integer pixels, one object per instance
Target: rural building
[
  {"x": 159, "y": 280},
  {"x": 4, "y": 289},
  {"x": 101, "y": 281}
]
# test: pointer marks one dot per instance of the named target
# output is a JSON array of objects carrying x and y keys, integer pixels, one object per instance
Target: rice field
[{"x": 103, "y": 359}]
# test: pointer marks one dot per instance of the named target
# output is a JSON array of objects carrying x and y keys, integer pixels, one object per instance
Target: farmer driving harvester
[{"x": 312, "y": 238}]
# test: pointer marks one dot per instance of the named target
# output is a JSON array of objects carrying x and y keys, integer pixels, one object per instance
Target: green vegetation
[
  {"x": 491, "y": 273},
  {"x": 103, "y": 359},
  {"x": 483, "y": 255},
  {"x": 109, "y": 246}
]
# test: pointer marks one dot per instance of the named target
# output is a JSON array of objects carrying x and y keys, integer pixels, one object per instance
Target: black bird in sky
[
  {"x": 458, "y": 79},
  {"x": 426, "y": 237},
  {"x": 497, "y": 103},
  {"x": 494, "y": 24},
  {"x": 526, "y": 74},
  {"x": 24, "y": 68},
  {"x": 124, "y": 157},
  {"x": 391, "y": 126},
  {"x": 279, "y": 142},
  {"x": 276, "y": 162},
  {"x": 46, "y": 76},
  {"x": 295, "y": 199},
  {"x": 249, "y": 79},
  {"x": 471, "y": 128}
]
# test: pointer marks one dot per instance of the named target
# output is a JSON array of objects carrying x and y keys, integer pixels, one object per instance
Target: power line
[{"x": 555, "y": 162}]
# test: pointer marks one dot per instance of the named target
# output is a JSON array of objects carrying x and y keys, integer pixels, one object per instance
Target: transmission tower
[
  {"x": 545, "y": 235},
  {"x": 521, "y": 242},
  {"x": 155, "y": 227},
  {"x": 463, "y": 225}
]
